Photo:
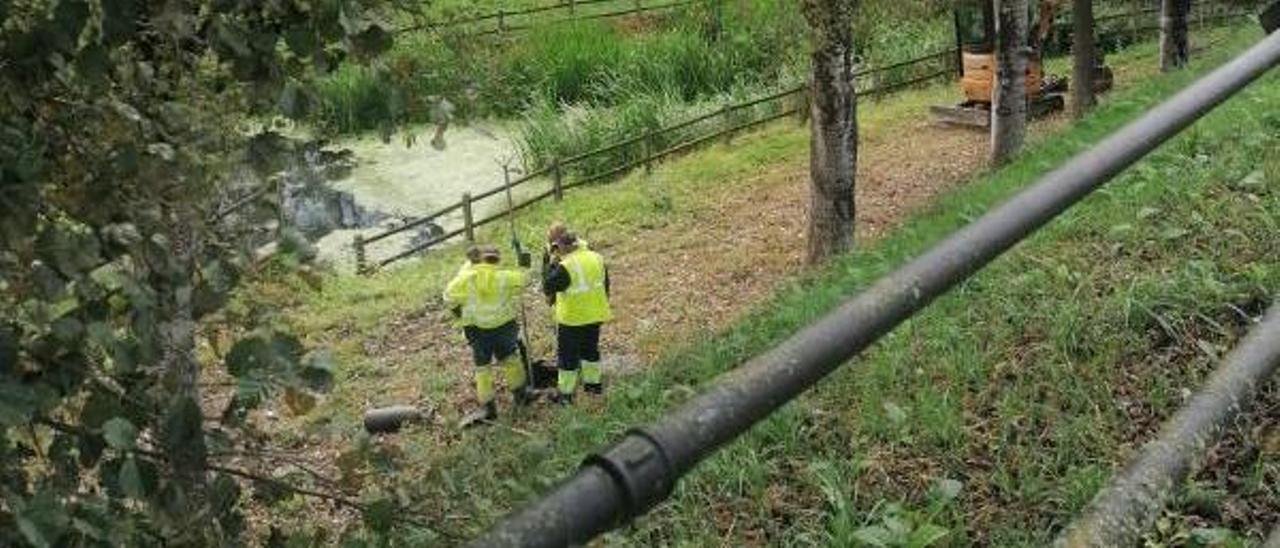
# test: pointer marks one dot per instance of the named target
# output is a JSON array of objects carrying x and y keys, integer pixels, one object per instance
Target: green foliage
[
  {"x": 119, "y": 433},
  {"x": 267, "y": 359},
  {"x": 119, "y": 125},
  {"x": 604, "y": 63},
  {"x": 900, "y": 528}
]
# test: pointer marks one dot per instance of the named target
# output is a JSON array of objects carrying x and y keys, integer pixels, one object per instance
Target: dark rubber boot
[
  {"x": 524, "y": 396},
  {"x": 562, "y": 399},
  {"x": 594, "y": 389},
  {"x": 480, "y": 416}
]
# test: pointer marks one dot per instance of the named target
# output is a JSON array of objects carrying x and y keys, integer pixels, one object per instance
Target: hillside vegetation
[
  {"x": 670, "y": 55},
  {"x": 989, "y": 419}
]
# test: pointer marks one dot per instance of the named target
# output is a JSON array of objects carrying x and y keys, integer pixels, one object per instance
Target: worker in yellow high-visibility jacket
[
  {"x": 554, "y": 233},
  {"x": 578, "y": 281},
  {"x": 485, "y": 298}
]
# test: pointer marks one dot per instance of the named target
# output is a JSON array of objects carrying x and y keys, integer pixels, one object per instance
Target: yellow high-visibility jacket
[
  {"x": 487, "y": 295},
  {"x": 586, "y": 300}
]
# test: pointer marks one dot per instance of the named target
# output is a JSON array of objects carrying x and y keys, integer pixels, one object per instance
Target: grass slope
[
  {"x": 989, "y": 419},
  {"x": 1029, "y": 381},
  {"x": 1024, "y": 384}
]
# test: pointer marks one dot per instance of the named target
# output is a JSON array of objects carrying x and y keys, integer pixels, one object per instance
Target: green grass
[
  {"x": 606, "y": 63},
  {"x": 1026, "y": 384},
  {"x": 1018, "y": 365},
  {"x": 590, "y": 62}
]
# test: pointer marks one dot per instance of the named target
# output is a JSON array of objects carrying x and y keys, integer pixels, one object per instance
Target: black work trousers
[
  {"x": 490, "y": 345},
  {"x": 577, "y": 343}
]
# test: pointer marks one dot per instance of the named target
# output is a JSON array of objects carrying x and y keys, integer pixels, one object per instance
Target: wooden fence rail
[{"x": 557, "y": 167}]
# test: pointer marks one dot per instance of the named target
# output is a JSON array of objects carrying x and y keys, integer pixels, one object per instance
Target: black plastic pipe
[
  {"x": 629, "y": 478},
  {"x": 386, "y": 420},
  {"x": 1130, "y": 503}
]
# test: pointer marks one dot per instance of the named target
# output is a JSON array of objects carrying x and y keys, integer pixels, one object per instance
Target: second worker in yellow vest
[
  {"x": 579, "y": 282},
  {"x": 486, "y": 298}
]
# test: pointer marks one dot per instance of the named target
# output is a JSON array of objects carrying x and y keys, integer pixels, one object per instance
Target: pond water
[{"x": 405, "y": 182}]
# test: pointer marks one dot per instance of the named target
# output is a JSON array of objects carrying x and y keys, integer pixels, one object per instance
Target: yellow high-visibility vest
[
  {"x": 585, "y": 301},
  {"x": 487, "y": 294}
]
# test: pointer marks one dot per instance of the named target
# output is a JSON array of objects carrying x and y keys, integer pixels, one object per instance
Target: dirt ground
[
  {"x": 723, "y": 260},
  {"x": 729, "y": 258}
]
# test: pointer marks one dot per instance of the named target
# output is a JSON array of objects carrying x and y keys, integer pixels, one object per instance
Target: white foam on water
[{"x": 412, "y": 181}]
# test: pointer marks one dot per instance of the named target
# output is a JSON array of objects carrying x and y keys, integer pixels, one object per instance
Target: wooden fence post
[
  {"x": 959, "y": 45},
  {"x": 646, "y": 148},
  {"x": 502, "y": 24},
  {"x": 557, "y": 184},
  {"x": 468, "y": 220},
  {"x": 801, "y": 99},
  {"x": 362, "y": 263},
  {"x": 573, "y": 7},
  {"x": 728, "y": 127}
]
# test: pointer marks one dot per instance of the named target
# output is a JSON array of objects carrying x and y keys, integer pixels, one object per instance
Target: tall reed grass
[
  {"x": 693, "y": 54},
  {"x": 549, "y": 133}
]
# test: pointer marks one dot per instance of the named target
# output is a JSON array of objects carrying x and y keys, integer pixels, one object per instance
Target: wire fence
[
  {"x": 502, "y": 21},
  {"x": 612, "y": 161},
  {"x": 519, "y": 20}
]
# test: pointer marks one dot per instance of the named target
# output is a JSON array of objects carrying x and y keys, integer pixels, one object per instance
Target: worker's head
[
  {"x": 490, "y": 255},
  {"x": 473, "y": 254},
  {"x": 566, "y": 242},
  {"x": 556, "y": 231}
]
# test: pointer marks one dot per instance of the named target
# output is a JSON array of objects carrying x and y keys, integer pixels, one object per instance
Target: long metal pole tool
[{"x": 524, "y": 261}]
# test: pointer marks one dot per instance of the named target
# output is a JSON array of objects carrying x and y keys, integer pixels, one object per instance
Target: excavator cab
[{"x": 975, "y": 30}]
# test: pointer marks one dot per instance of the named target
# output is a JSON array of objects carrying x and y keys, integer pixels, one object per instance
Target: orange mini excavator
[{"x": 975, "y": 26}]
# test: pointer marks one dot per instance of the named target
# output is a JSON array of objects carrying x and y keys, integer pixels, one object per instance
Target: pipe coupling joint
[{"x": 641, "y": 469}]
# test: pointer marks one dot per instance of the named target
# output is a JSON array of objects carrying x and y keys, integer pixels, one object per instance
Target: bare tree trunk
[
  {"x": 1173, "y": 34},
  {"x": 833, "y": 150},
  {"x": 1085, "y": 52},
  {"x": 1009, "y": 106}
]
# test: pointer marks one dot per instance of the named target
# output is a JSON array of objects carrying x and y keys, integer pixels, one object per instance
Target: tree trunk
[
  {"x": 1173, "y": 34},
  {"x": 1009, "y": 106},
  {"x": 177, "y": 333},
  {"x": 181, "y": 432},
  {"x": 1086, "y": 58},
  {"x": 833, "y": 150}
]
